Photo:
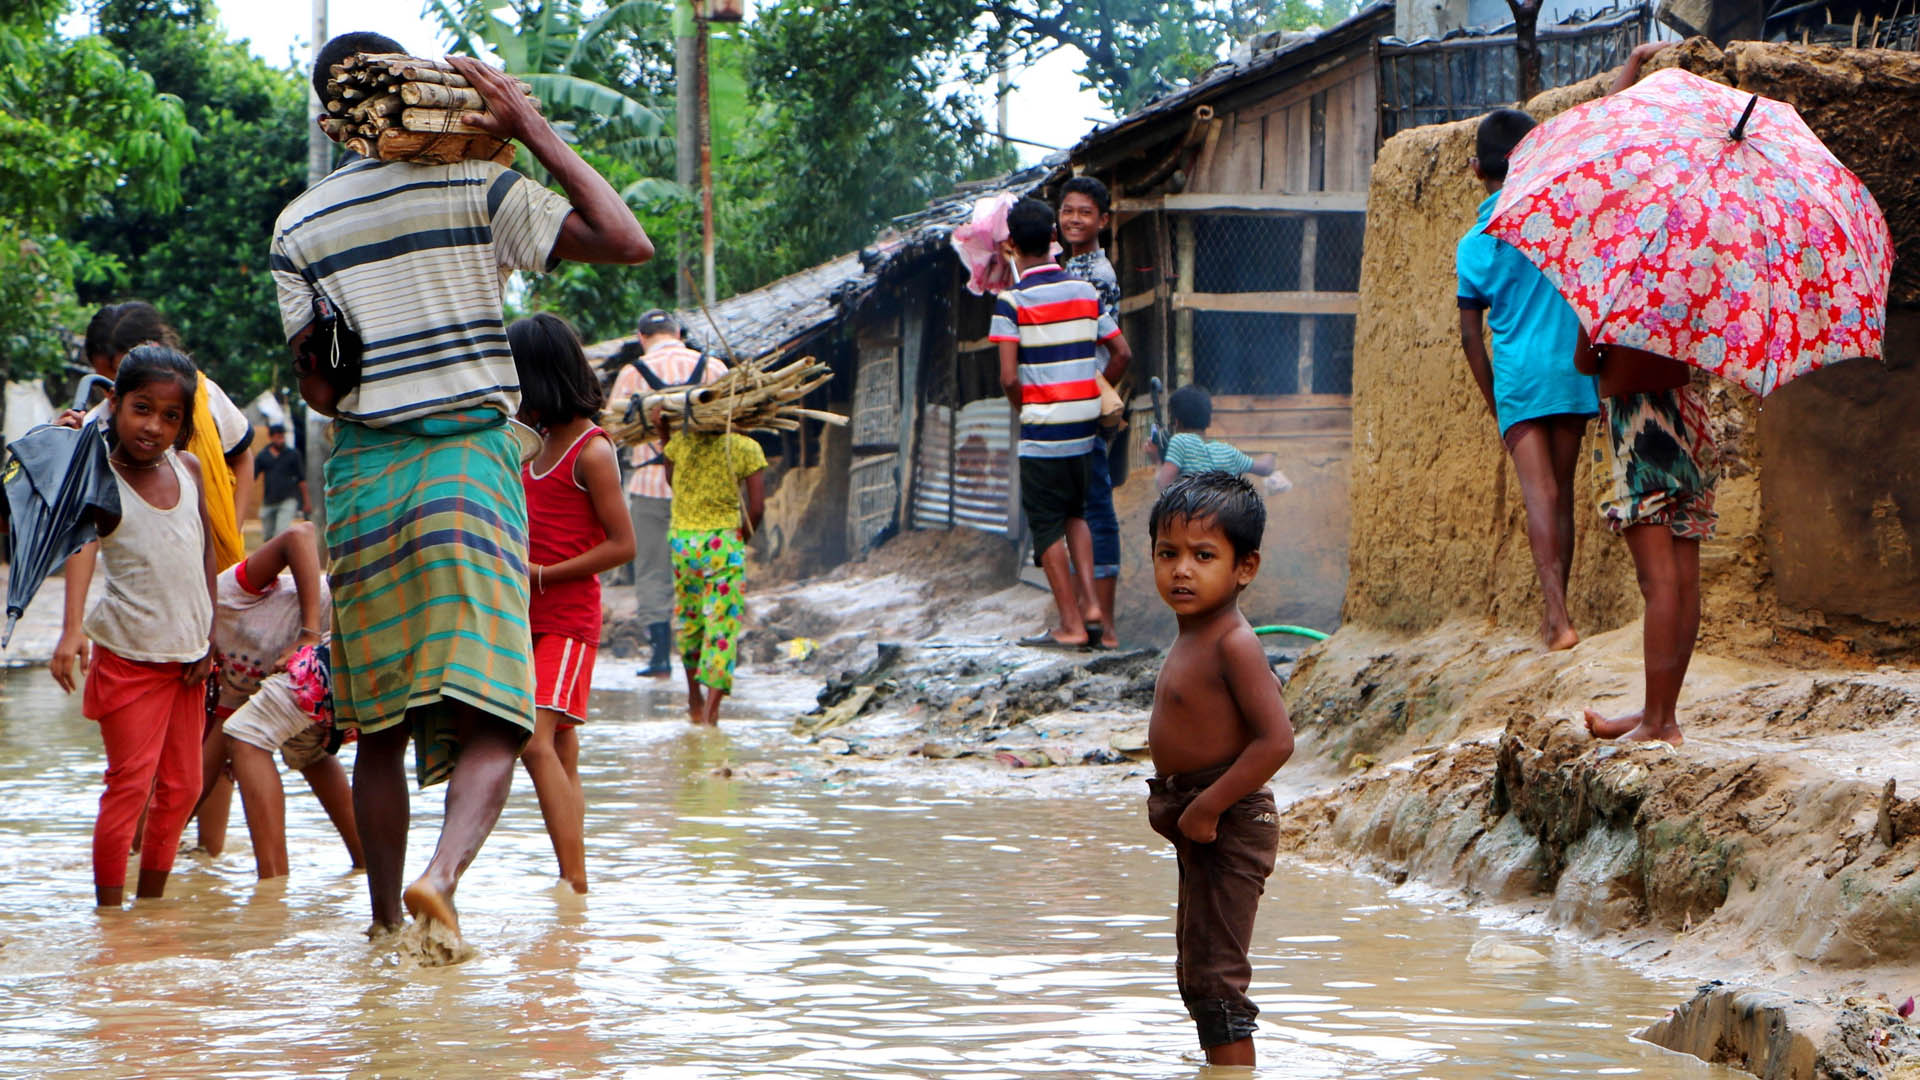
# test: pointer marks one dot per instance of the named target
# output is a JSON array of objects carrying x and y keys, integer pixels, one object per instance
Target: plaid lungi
[{"x": 427, "y": 530}]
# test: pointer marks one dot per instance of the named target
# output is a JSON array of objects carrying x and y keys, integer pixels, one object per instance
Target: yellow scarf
[{"x": 217, "y": 480}]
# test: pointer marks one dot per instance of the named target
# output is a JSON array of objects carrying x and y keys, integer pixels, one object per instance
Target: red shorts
[{"x": 562, "y": 676}]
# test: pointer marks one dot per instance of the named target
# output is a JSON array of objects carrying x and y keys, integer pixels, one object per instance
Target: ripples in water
[{"x": 797, "y": 928}]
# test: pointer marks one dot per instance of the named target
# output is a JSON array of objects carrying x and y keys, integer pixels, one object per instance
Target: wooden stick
[
  {"x": 384, "y": 105},
  {"x": 443, "y": 121},
  {"x": 441, "y": 96}
]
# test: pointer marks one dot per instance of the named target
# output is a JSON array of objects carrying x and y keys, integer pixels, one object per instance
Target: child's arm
[
  {"x": 664, "y": 433},
  {"x": 756, "y": 488},
  {"x": 1264, "y": 465},
  {"x": 1473, "y": 341},
  {"x": 597, "y": 471},
  {"x": 74, "y": 646},
  {"x": 1119, "y": 357},
  {"x": 1010, "y": 372},
  {"x": 1630, "y": 71},
  {"x": 198, "y": 671},
  {"x": 295, "y": 549},
  {"x": 1257, "y": 694},
  {"x": 1167, "y": 474}
]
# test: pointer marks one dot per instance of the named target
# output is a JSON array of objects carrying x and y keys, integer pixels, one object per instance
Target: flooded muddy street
[{"x": 776, "y": 922}]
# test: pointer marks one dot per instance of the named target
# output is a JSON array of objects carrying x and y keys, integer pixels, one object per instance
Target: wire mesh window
[
  {"x": 1245, "y": 352},
  {"x": 1269, "y": 299}
]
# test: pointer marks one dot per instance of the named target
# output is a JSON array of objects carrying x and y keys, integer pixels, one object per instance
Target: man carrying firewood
[{"x": 390, "y": 277}]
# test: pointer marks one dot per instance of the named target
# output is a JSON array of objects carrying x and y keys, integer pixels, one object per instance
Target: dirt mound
[
  {"x": 1776, "y": 842},
  {"x": 1812, "y": 561},
  {"x": 1782, "y": 1037}
]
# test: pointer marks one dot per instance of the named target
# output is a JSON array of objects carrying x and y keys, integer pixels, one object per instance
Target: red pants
[{"x": 150, "y": 720}]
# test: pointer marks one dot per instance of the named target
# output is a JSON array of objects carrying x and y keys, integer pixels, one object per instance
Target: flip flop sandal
[{"x": 1047, "y": 641}]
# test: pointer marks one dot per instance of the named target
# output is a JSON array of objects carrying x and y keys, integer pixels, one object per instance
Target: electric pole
[
  {"x": 319, "y": 147},
  {"x": 686, "y": 137},
  {"x": 312, "y": 440}
]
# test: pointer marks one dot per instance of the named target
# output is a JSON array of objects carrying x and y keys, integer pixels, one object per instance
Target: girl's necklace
[{"x": 130, "y": 465}]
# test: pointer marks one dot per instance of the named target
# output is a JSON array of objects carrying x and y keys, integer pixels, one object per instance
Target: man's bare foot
[
  {"x": 1559, "y": 639},
  {"x": 378, "y": 931},
  {"x": 426, "y": 902},
  {"x": 1633, "y": 727}
]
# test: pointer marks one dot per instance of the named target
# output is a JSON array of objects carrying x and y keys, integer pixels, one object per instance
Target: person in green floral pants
[{"x": 718, "y": 497}]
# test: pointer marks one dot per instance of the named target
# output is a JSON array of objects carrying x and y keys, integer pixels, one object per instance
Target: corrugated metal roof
[
  {"x": 770, "y": 319},
  {"x": 786, "y": 314}
]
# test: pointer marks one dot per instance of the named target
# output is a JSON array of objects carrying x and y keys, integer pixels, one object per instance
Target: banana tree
[{"x": 573, "y": 62}]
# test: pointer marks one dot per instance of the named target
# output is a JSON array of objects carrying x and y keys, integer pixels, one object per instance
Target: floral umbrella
[{"x": 1699, "y": 222}]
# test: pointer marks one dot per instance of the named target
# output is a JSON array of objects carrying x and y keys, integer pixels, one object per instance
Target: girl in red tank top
[{"x": 577, "y": 526}]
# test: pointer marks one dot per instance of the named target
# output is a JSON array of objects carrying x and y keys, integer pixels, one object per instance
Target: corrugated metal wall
[{"x": 964, "y": 472}]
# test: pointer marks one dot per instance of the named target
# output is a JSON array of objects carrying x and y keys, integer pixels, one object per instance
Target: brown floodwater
[{"x": 941, "y": 923}]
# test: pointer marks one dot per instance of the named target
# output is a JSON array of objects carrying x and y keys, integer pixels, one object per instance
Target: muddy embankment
[
  {"x": 1775, "y": 853},
  {"x": 1777, "y": 850}
]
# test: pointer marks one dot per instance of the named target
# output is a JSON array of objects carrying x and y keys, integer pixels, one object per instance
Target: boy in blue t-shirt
[{"x": 1540, "y": 402}]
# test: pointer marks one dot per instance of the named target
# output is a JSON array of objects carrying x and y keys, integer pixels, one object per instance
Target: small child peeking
[
  {"x": 1219, "y": 732},
  {"x": 1189, "y": 451}
]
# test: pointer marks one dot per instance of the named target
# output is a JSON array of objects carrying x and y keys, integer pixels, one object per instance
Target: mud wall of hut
[{"x": 1820, "y": 502}]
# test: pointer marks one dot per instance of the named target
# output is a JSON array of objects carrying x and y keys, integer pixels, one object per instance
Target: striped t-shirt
[
  {"x": 1057, "y": 321},
  {"x": 1192, "y": 454},
  {"x": 417, "y": 258}
]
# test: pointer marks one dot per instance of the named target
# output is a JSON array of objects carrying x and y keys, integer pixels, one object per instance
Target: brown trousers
[{"x": 1220, "y": 887}]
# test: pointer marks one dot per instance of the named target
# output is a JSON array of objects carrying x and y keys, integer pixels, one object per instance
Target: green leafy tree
[
  {"x": 77, "y": 128},
  {"x": 601, "y": 73},
  {"x": 202, "y": 258}
]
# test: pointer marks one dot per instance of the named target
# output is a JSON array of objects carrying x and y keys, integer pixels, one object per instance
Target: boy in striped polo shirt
[{"x": 1047, "y": 326}]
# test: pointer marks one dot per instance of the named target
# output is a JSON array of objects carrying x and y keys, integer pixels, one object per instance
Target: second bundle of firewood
[
  {"x": 747, "y": 398},
  {"x": 404, "y": 108}
]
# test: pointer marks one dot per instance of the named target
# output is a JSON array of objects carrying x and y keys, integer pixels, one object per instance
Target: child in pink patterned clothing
[{"x": 270, "y": 640}]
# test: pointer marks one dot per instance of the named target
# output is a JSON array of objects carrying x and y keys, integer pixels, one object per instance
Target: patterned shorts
[
  {"x": 709, "y": 569},
  {"x": 1664, "y": 463}
]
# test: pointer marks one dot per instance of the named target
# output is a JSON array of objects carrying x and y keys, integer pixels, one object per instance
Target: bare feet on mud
[
  {"x": 425, "y": 902},
  {"x": 1633, "y": 727},
  {"x": 1558, "y": 639}
]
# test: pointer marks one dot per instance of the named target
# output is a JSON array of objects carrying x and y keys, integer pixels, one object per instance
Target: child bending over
[
  {"x": 1219, "y": 732},
  {"x": 577, "y": 526},
  {"x": 150, "y": 630},
  {"x": 1539, "y": 401},
  {"x": 270, "y": 623}
]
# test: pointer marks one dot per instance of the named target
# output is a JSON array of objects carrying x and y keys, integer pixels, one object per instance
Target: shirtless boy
[{"x": 1219, "y": 732}]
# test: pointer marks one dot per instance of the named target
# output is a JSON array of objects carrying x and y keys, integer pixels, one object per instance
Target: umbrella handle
[
  {"x": 85, "y": 390},
  {"x": 1740, "y": 129}
]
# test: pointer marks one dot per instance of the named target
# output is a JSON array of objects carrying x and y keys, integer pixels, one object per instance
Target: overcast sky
[{"x": 1047, "y": 104}]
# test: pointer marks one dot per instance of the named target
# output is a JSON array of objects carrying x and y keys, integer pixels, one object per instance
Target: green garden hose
[{"x": 1297, "y": 631}]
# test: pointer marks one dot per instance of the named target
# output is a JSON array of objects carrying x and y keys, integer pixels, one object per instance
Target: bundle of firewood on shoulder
[
  {"x": 748, "y": 397},
  {"x": 403, "y": 108}
]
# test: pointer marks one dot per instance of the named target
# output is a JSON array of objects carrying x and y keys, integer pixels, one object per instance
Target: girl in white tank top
[{"x": 143, "y": 646}]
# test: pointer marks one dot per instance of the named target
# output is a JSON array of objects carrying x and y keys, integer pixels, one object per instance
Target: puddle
[{"x": 931, "y": 927}]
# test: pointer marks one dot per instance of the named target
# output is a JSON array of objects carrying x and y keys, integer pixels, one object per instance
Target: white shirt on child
[
  {"x": 251, "y": 630},
  {"x": 154, "y": 606}
]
